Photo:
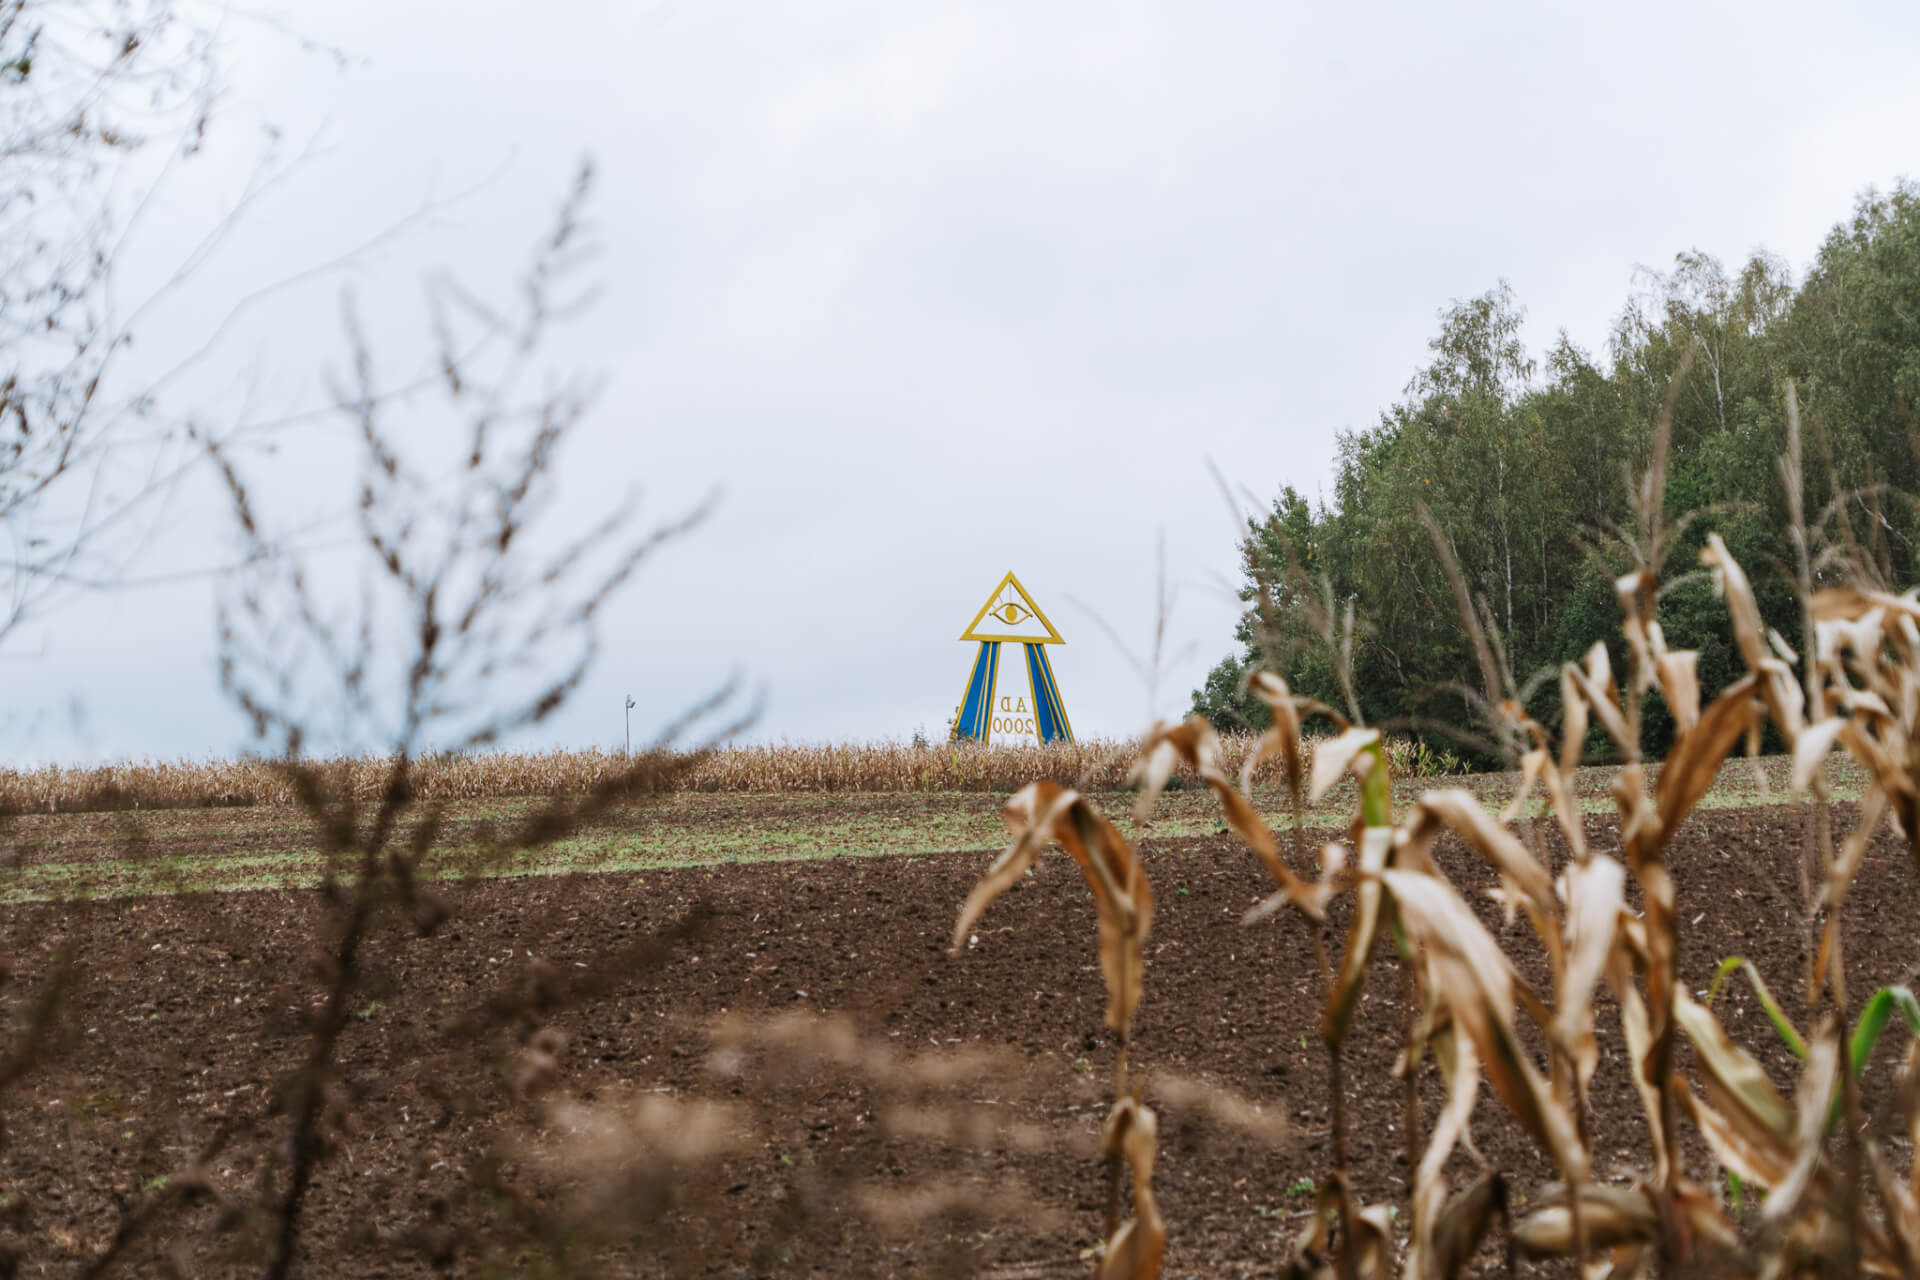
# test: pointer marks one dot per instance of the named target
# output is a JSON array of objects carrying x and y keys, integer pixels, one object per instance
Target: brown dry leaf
[
  {"x": 1679, "y": 673},
  {"x": 1748, "y": 635},
  {"x": 1566, "y": 807},
  {"x": 1910, "y": 1109},
  {"x": 1642, "y": 634},
  {"x": 1811, "y": 749},
  {"x": 1573, "y": 726},
  {"x": 1756, "y": 1105},
  {"x": 1135, "y": 1251},
  {"x": 1840, "y": 878},
  {"x": 1596, "y": 894},
  {"x": 1613, "y": 1216},
  {"x": 1596, "y": 693},
  {"x": 1875, "y": 758},
  {"x": 1044, "y": 811},
  {"x": 1599, "y": 671},
  {"x": 1812, "y": 1104},
  {"x": 1840, "y": 604},
  {"x": 1696, "y": 755},
  {"x": 1093, "y": 842},
  {"x": 1862, "y": 636},
  {"x": 1282, "y": 738},
  {"x": 1518, "y": 868},
  {"x": 1196, "y": 745},
  {"x": 1636, "y": 1031},
  {"x": 1846, "y": 867},
  {"x": 1760, "y": 1163},
  {"x": 1639, "y": 825},
  {"x": 1530, "y": 766},
  {"x": 1479, "y": 985},
  {"x": 1866, "y": 704},
  {"x": 1332, "y": 759},
  {"x": 1333, "y": 860},
  {"x": 1161, "y": 751},
  {"x": 1903, "y": 1210},
  {"x": 1429, "y": 1182},
  {"x": 1785, "y": 700},
  {"x": 1376, "y": 843},
  {"x": 1372, "y": 1243},
  {"x": 1031, "y": 814},
  {"x": 1463, "y": 1224}
]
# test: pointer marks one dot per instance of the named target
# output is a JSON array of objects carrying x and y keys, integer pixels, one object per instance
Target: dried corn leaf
[
  {"x": 1334, "y": 757},
  {"x": 1696, "y": 755},
  {"x": 1158, "y": 758},
  {"x": 1462, "y": 1225},
  {"x": 1903, "y": 1209},
  {"x": 1638, "y": 1033},
  {"x": 1566, "y": 808},
  {"x": 1135, "y": 1251},
  {"x": 1371, "y": 1242},
  {"x": 1840, "y": 604},
  {"x": 1841, "y": 875},
  {"x": 1282, "y": 738},
  {"x": 1333, "y": 860},
  {"x": 1702, "y": 1217},
  {"x": 1596, "y": 894},
  {"x": 1755, "y": 1104},
  {"x": 1612, "y": 1216},
  {"x": 1376, "y": 843},
  {"x": 1679, "y": 674},
  {"x": 1032, "y": 815},
  {"x": 1748, "y": 634},
  {"x": 1573, "y": 725},
  {"x": 1599, "y": 671},
  {"x": 1044, "y": 811},
  {"x": 1642, "y": 633},
  {"x": 1861, "y": 636},
  {"x": 1810, "y": 750},
  {"x": 1853, "y": 851},
  {"x": 1530, "y": 766},
  {"x": 1196, "y": 745},
  {"x": 1429, "y": 1182},
  {"x": 1812, "y": 1105},
  {"x": 1479, "y": 986},
  {"x": 1739, "y": 1149},
  {"x": 1598, "y": 696},
  {"x": 1518, "y": 868}
]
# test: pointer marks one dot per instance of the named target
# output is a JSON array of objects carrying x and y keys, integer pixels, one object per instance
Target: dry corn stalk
[
  {"x": 1045, "y": 812},
  {"x": 1134, "y": 1251},
  {"x": 1865, "y": 698}
]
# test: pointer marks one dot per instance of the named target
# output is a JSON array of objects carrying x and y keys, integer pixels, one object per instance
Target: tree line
[{"x": 1523, "y": 464}]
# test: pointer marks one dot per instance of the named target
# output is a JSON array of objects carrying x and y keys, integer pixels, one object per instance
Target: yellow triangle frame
[{"x": 1052, "y": 636}]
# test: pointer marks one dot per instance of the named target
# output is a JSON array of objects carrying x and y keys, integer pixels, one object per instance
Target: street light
[{"x": 630, "y": 705}]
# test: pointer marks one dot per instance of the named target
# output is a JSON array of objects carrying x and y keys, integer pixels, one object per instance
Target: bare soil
[{"x": 187, "y": 1019}]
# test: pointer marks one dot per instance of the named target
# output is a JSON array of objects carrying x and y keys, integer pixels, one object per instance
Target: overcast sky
[{"x": 934, "y": 291}]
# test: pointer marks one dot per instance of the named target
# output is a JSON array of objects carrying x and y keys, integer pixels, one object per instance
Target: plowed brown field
[{"x": 186, "y": 1019}]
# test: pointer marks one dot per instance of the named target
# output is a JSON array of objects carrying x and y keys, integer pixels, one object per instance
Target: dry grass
[{"x": 874, "y": 766}]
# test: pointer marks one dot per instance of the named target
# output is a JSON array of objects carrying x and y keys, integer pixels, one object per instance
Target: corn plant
[
  {"x": 1042, "y": 813},
  {"x": 1830, "y": 1199}
]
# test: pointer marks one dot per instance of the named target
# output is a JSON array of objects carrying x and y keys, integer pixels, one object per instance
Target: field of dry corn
[{"x": 1100, "y": 765}]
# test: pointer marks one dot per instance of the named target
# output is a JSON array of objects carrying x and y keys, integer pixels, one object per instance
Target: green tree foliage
[{"x": 1524, "y": 465}]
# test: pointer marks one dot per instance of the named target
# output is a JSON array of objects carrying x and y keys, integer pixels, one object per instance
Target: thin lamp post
[{"x": 630, "y": 706}]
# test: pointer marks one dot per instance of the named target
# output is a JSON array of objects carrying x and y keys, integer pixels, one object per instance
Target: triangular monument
[{"x": 990, "y": 711}]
